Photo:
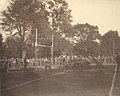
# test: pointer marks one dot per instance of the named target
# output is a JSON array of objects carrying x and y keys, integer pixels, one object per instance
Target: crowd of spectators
[{"x": 62, "y": 61}]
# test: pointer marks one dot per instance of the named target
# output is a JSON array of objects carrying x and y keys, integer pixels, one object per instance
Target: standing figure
[
  {"x": 25, "y": 63},
  {"x": 47, "y": 64},
  {"x": 118, "y": 61},
  {"x": 62, "y": 62}
]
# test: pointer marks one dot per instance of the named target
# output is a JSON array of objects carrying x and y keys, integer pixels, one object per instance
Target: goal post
[
  {"x": 52, "y": 56},
  {"x": 51, "y": 47}
]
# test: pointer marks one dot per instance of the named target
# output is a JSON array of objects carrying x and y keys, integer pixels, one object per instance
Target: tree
[
  {"x": 60, "y": 15},
  {"x": 110, "y": 43},
  {"x": 59, "y": 19},
  {"x": 12, "y": 44},
  {"x": 62, "y": 45},
  {"x": 91, "y": 49},
  {"x": 21, "y": 16},
  {"x": 1, "y": 44},
  {"x": 86, "y": 32},
  {"x": 86, "y": 37}
]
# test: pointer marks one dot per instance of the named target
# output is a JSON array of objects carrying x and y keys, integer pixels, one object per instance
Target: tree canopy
[
  {"x": 1, "y": 38},
  {"x": 86, "y": 36},
  {"x": 23, "y": 17},
  {"x": 52, "y": 17},
  {"x": 110, "y": 43}
]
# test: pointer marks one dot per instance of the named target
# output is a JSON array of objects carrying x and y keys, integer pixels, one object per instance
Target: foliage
[
  {"x": 12, "y": 47},
  {"x": 21, "y": 16},
  {"x": 110, "y": 43},
  {"x": 86, "y": 32},
  {"x": 52, "y": 17},
  {"x": 62, "y": 45},
  {"x": 86, "y": 36},
  {"x": 60, "y": 14},
  {"x": 1, "y": 43}
]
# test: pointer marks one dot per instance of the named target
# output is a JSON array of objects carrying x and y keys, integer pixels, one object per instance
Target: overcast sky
[{"x": 103, "y": 13}]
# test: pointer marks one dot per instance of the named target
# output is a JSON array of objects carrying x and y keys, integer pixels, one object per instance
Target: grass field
[{"x": 76, "y": 82}]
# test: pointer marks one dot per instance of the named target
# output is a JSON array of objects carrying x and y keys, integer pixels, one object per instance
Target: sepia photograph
[{"x": 59, "y": 47}]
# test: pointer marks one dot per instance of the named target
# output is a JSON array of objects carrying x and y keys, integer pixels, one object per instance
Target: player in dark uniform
[{"x": 25, "y": 63}]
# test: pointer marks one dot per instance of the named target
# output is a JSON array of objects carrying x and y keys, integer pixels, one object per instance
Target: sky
[
  {"x": 102, "y": 13},
  {"x": 3, "y": 5}
]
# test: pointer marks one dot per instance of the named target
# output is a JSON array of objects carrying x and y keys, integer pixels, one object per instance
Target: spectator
[
  {"x": 47, "y": 64},
  {"x": 118, "y": 61},
  {"x": 25, "y": 63}
]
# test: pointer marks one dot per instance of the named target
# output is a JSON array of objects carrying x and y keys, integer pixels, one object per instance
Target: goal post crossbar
[{"x": 43, "y": 46}]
